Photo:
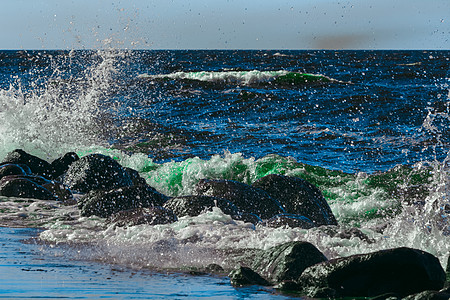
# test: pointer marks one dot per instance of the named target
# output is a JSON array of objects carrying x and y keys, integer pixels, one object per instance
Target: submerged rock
[
  {"x": 403, "y": 271},
  {"x": 147, "y": 215},
  {"x": 246, "y": 198},
  {"x": 299, "y": 197},
  {"x": 37, "y": 166},
  {"x": 286, "y": 261},
  {"x": 242, "y": 276},
  {"x": 195, "y": 205},
  {"x": 96, "y": 172},
  {"x": 105, "y": 203}
]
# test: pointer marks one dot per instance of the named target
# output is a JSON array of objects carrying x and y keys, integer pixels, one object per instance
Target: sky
[{"x": 225, "y": 24}]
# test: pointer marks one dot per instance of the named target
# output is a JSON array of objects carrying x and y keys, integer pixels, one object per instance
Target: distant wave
[{"x": 244, "y": 77}]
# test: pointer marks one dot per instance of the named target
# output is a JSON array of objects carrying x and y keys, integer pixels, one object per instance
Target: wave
[
  {"x": 281, "y": 77},
  {"x": 394, "y": 208}
]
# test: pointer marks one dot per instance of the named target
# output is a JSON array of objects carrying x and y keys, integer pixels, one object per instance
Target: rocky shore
[{"x": 99, "y": 186}]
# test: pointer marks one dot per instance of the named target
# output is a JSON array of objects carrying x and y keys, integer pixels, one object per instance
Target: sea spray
[{"x": 63, "y": 113}]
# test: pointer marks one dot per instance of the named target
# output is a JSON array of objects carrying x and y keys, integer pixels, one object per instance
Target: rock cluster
[{"x": 119, "y": 194}]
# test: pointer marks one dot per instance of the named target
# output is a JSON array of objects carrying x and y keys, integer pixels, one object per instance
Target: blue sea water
[{"x": 369, "y": 128}]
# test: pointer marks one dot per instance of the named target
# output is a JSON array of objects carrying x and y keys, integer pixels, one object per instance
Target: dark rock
[
  {"x": 38, "y": 166},
  {"x": 36, "y": 187},
  {"x": 286, "y": 261},
  {"x": 214, "y": 269},
  {"x": 11, "y": 169},
  {"x": 135, "y": 177},
  {"x": 147, "y": 215},
  {"x": 105, "y": 203},
  {"x": 242, "y": 276},
  {"x": 195, "y": 205},
  {"x": 14, "y": 186},
  {"x": 403, "y": 271},
  {"x": 96, "y": 172},
  {"x": 298, "y": 196},
  {"x": 288, "y": 286},
  {"x": 26, "y": 169},
  {"x": 289, "y": 220},
  {"x": 246, "y": 198},
  {"x": 61, "y": 165}
]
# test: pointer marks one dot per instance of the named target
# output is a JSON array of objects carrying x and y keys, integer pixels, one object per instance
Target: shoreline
[{"x": 30, "y": 270}]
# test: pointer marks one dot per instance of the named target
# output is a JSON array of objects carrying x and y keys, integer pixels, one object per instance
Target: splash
[{"x": 63, "y": 114}]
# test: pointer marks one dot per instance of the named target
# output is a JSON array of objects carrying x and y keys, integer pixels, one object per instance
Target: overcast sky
[{"x": 225, "y": 24}]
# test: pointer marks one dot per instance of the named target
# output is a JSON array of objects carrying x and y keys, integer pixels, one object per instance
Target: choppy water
[{"x": 370, "y": 129}]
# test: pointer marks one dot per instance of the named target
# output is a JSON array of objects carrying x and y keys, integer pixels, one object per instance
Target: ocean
[{"x": 370, "y": 129}]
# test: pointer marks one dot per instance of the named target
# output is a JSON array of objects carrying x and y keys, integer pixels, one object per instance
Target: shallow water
[{"x": 31, "y": 270}]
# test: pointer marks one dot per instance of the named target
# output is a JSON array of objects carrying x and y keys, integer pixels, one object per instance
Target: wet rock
[
  {"x": 297, "y": 196},
  {"x": 403, "y": 271},
  {"x": 286, "y": 261},
  {"x": 96, "y": 172},
  {"x": 290, "y": 220},
  {"x": 11, "y": 169},
  {"x": 214, "y": 269},
  {"x": 37, "y": 166},
  {"x": 135, "y": 177},
  {"x": 105, "y": 203},
  {"x": 61, "y": 165},
  {"x": 14, "y": 186},
  {"x": 147, "y": 215},
  {"x": 195, "y": 205},
  {"x": 246, "y": 198},
  {"x": 37, "y": 187},
  {"x": 242, "y": 276}
]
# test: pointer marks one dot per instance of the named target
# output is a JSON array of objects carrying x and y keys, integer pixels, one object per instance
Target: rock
[
  {"x": 37, "y": 187},
  {"x": 37, "y": 166},
  {"x": 246, "y": 198},
  {"x": 242, "y": 276},
  {"x": 135, "y": 177},
  {"x": 61, "y": 165},
  {"x": 96, "y": 172},
  {"x": 147, "y": 215},
  {"x": 290, "y": 220},
  {"x": 15, "y": 186},
  {"x": 11, "y": 169},
  {"x": 297, "y": 196},
  {"x": 214, "y": 269},
  {"x": 403, "y": 271},
  {"x": 105, "y": 203},
  {"x": 195, "y": 205},
  {"x": 286, "y": 261}
]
